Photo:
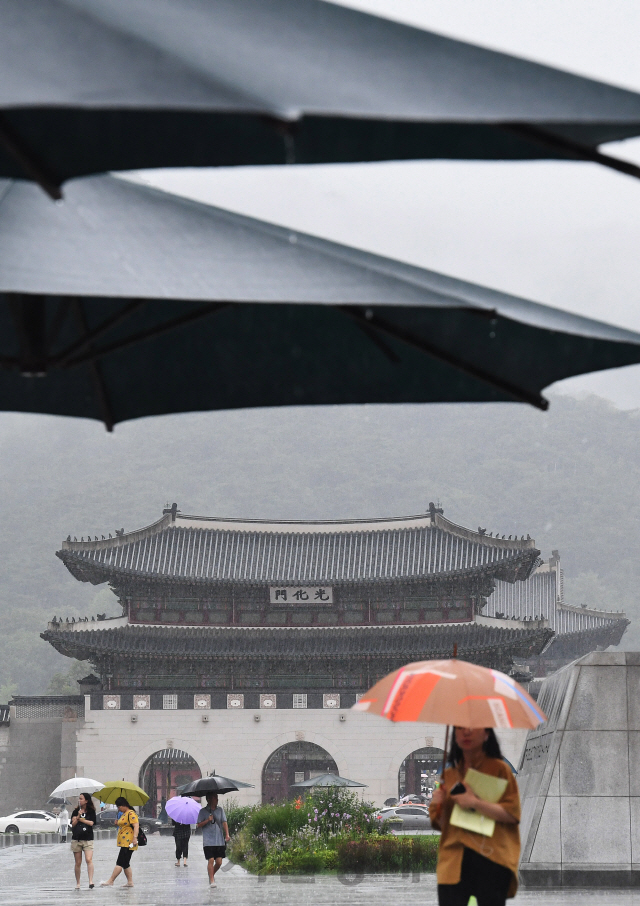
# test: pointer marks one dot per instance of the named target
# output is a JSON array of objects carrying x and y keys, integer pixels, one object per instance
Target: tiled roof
[
  {"x": 415, "y": 642},
  {"x": 594, "y": 638},
  {"x": 199, "y": 550}
]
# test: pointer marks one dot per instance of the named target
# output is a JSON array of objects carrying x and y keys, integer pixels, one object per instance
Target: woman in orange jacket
[{"x": 470, "y": 863}]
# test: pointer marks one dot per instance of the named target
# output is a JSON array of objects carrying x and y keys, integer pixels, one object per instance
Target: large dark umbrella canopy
[
  {"x": 88, "y": 86},
  {"x": 215, "y": 783},
  {"x": 127, "y": 302}
]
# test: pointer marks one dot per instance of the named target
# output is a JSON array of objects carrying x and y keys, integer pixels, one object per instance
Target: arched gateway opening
[
  {"x": 293, "y": 763},
  {"x": 162, "y": 773},
  {"x": 419, "y": 771}
]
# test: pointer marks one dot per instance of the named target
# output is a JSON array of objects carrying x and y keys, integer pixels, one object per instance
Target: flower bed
[
  {"x": 389, "y": 854},
  {"x": 330, "y": 830}
]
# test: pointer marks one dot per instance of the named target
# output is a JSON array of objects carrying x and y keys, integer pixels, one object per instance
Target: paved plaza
[{"x": 44, "y": 875}]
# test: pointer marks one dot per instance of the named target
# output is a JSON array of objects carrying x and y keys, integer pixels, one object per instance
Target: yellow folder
[{"x": 486, "y": 787}]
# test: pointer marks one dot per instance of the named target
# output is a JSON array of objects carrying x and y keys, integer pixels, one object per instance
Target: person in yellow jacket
[
  {"x": 128, "y": 827},
  {"x": 469, "y": 863}
]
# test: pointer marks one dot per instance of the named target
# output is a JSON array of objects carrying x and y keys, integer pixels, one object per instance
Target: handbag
[{"x": 142, "y": 837}]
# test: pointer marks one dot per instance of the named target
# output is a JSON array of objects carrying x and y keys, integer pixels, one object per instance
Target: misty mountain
[{"x": 569, "y": 477}]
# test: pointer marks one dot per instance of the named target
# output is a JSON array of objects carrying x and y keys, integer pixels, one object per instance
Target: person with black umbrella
[{"x": 215, "y": 835}]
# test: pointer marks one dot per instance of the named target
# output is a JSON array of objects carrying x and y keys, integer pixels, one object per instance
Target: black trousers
[
  {"x": 124, "y": 857},
  {"x": 182, "y": 847},
  {"x": 480, "y": 878}
]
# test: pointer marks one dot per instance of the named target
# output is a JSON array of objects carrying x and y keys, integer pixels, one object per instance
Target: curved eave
[
  {"x": 266, "y": 643},
  {"x": 575, "y": 644},
  {"x": 515, "y": 568}
]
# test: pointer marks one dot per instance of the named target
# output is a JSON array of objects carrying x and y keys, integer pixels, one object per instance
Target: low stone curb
[{"x": 6, "y": 840}]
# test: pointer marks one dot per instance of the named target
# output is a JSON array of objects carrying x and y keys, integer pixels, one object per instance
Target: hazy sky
[{"x": 562, "y": 233}]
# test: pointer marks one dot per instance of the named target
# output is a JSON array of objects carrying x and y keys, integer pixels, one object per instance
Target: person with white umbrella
[
  {"x": 83, "y": 819},
  {"x": 82, "y": 828}
]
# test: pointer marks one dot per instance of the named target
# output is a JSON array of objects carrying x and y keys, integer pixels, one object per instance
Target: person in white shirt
[{"x": 64, "y": 823}]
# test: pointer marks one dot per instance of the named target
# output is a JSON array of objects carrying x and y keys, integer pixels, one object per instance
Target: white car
[{"x": 29, "y": 822}]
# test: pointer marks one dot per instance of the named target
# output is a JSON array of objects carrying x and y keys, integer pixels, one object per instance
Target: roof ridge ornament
[
  {"x": 435, "y": 508},
  {"x": 172, "y": 510}
]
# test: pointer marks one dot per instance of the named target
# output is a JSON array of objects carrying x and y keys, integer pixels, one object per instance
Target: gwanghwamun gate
[{"x": 243, "y": 644}]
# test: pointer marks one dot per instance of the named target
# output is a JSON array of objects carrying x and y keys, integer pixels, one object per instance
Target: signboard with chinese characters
[{"x": 301, "y": 595}]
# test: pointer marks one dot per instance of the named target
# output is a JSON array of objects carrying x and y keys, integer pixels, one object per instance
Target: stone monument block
[{"x": 580, "y": 777}]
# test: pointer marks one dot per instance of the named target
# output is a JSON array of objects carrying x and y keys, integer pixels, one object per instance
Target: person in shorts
[
  {"x": 215, "y": 835},
  {"x": 83, "y": 819},
  {"x": 128, "y": 828}
]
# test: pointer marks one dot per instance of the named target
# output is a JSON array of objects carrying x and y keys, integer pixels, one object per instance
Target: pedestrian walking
[
  {"x": 63, "y": 826},
  {"x": 128, "y": 828},
  {"x": 215, "y": 835},
  {"x": 83, "y": 819},
  {"x": 181, "y": 834},
  {"x": 481, "y": 862}
]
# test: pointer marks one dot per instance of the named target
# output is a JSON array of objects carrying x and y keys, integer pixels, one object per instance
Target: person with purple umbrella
[
  {"x": 181, "y": 835},
  {"x": 183, "y": 811}
]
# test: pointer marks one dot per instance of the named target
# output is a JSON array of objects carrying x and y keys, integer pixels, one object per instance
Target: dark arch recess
[
  {"x": 161, "y": 774},
  {"x": 416, "y": 774},
  {"x": 290, "y": 763}
]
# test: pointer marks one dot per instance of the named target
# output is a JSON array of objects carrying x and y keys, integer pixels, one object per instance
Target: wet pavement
[{"x": 42, "y": 875}]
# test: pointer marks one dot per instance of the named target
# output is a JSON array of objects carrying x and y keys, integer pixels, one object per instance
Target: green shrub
[
  {"x": 338, "y": 811},
  {"x": 308, "y": 863},
  {"x": 304, "y": 836},
  {"x": 284, "y": 818},
  {"x": 389, "y": 854},
  {"x": 331, "y": 861},
  {"x": 237, "y": 815}
]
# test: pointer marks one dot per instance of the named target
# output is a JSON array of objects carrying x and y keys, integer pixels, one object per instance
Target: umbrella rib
[
  {"x": 31, "y": 165},
  {"x": 92, "y": 335},
  {"x": 202, "y": 312},
  {"x": 571, "y": 148},
  {"x": 379, "y": 342},
  {"x": 405, "y": 336},
  {"x": 62, "y": 310},
  {"x": 96, "y": 374}
]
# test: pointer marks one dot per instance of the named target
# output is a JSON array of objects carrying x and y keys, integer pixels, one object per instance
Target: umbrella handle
[{"x": 444, "y": 757}]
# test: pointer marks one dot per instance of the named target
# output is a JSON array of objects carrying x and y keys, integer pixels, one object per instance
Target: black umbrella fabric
[
  {"x": 213, "y": 784},
  {"x": 88, "y": 86},
  {"x": 124, "y": 302}
]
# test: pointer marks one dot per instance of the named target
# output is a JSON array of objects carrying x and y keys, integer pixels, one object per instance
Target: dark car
[{"x": 107, "y": 816}]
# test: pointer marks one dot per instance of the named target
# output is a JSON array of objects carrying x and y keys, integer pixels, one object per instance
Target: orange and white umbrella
[{"x": 452, "y": 692}]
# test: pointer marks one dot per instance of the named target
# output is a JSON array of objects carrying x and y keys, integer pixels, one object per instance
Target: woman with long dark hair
[
  {"x": 83, "y": 819},
  {"x": 128, "y": 827},
  {"x": 470, "y": 863}
]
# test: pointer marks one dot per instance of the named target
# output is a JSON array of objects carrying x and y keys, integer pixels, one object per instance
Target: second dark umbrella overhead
[
  {"x": 88, "y": 86},
  {"x": 215, "y": 783},
  {"x": 125, "y": 302}
]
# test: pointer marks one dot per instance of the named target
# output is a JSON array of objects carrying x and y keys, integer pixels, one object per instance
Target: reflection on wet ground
[{"x": 41, "y": 875}]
